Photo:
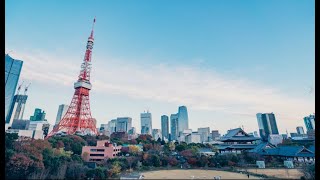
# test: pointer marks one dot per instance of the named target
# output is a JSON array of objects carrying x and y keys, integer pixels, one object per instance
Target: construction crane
[
  {"x": 19, "y": 87},
  {"x": 26, "y": 89}
]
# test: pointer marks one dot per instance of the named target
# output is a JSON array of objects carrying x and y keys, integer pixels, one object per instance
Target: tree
[
  {"x": 180, "y": 147},
  {"x": 172, "y": 146},
  {"x": 173, "y": 161},
  {"x": 192, "y": 161},
  {"x": 76, "y": 171},
  {"x": 155, "y": 160},
  {"x": 133, "y": 149},
  {"x": 115, "y": 170},
  {"x": 187, "y": 153},
  {"x": 19, "y": 166}
]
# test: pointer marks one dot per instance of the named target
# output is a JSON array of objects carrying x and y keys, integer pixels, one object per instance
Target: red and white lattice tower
[{"x": 77, "y": 119}]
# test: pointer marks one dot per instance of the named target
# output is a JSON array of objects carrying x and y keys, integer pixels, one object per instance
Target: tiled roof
[
  {"x": 241, "y": 138},
  {"x": 236, "y": 146},
  {"x": 232, "y": 132},
  {"x": 289, "y": 151},
  {"x": 261, "y": 146}
]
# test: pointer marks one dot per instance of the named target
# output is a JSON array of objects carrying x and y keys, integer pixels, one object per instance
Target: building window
[
  {"x": 93, "y": 150},
  {"x": 100, "y": 150},
  {"x": 96, "y": 154}
]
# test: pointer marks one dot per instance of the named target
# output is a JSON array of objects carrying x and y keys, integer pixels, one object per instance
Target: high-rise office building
[
  {"x": 146, "y": 123},
  {"x": 38, "y": 115},
  {"x": 112, "y": 125},
  {"x": 124, "y": 124},
  {"x": 204, "y": 134},
  {"x": 61, "y": 112},
  {"x": 309, "y": 122},
  {"x": 174, "y": 126},
  {"x": 17, "y": 108},
  {"x": 12, "y": 73},
  {"x": 165, "y": 126},
  {"x": 267, "y": 125},
  {"x": 183, "y": 118},
  {"x": 300, "y": 130}
]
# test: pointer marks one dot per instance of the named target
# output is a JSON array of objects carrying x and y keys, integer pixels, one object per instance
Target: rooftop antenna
[{"x": 26, "y": 89}]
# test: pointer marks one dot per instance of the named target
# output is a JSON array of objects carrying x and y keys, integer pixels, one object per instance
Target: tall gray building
[
  {"x": 124, "y": 124},
  {"x": 12, "y": 73},
  {"x": 165, "y": 126},
  {"x": 267, "y": 125},
  {"x": 112, "y": 125},
  {"x": 63, "y": 108},
  {"x": 183, "y": 118},
  {"x": 309, "y": 122},
  {"x": 17, "y": 108},
  {"x": 146, "y": 123},
  {"x": 174, "y": 126}
]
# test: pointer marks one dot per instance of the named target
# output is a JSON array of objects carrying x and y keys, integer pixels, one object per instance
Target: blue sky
[{"x": 224, "y": 60}]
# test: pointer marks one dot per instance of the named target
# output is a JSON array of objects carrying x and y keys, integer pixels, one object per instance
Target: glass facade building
[
  {"x": 61, "y": 112},
  {"x": 309, "y": 122},
  {"x": 174, "y": 126},
  {"x": 17, "y": 108},
  {"x": 267, "y": 125},
  {"x": 165, "y": 126},
  {"x": 183, "y": 118},
  {"x": 12, "y": 73},
  {"x": 124, "y": 124},
  {"x": 146, "y": 123},
  {"x": 38, "y": 115}
]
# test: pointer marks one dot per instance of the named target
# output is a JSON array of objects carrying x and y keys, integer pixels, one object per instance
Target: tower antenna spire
[{"x": 94, "y": 21}]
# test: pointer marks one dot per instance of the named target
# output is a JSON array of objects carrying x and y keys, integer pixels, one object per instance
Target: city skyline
[{"x": 258, "y": 68}]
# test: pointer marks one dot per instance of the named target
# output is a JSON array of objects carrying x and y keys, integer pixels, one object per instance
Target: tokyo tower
[{"x": 77, "y": 119}]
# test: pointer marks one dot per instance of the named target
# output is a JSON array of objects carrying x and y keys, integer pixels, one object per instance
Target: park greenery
[{"x": 59, "y": 157}]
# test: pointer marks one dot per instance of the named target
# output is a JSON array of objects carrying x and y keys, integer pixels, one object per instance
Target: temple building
[{"x": 236, "y": 141}]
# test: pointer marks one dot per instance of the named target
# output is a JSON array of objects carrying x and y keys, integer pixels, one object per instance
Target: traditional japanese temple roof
[
  {"x": 287, "y": 151},
  {"x": 238, "y": 135}
]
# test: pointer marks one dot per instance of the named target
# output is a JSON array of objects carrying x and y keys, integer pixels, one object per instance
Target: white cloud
[{"x": 197, "y": 88}]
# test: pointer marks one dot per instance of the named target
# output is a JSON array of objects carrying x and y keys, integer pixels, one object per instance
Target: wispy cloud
[{"x": 195, "y": 87}]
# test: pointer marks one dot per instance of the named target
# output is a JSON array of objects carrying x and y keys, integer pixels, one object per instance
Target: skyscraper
[
  {"x": 165, "y": 126},
  {"x": 124, "y": 124},
  {"x": 300, "y": 130},
  {"x": 38, "y": 115},
  {"x": 61, "y": 112},
  {"x": 183, "y": 118},
  {"x": 12, "y": 73},
  {"x": 309, "y": 122},
  {"x": 267, "y": 125},
  {"x": 112, "y": 125},
  {"x": 174, "y": 126},
  {"x": 146, "y": 123},
  {"x": 17, "y": 108}
]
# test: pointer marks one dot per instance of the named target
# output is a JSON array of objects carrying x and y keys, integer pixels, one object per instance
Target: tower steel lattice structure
[{"x": 78, "y": 119}]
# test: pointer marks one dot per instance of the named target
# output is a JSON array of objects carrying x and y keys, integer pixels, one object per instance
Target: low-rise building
[
  {"x": 193, "y": 138},
  {"x": 294, "y": 153},
  {"x": 103, "y": 150}
]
